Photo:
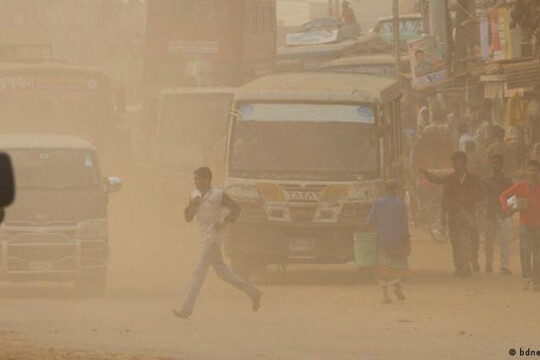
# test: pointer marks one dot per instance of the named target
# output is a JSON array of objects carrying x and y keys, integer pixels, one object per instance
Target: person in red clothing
[{"x": 529, "y": 232}]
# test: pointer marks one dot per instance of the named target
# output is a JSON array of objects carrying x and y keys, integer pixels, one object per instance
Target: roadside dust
[{"x": 310, "y": 312}]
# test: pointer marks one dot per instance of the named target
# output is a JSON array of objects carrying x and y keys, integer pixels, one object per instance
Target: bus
[
  {"x": 307, "y": 156},
  {"x": 56, "y": 98}
]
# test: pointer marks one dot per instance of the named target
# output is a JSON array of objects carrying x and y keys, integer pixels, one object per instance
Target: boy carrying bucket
[{"x": 389, "y": 215}]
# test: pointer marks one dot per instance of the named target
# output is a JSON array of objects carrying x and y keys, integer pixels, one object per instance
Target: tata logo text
[{"x": 303, "y": 196}]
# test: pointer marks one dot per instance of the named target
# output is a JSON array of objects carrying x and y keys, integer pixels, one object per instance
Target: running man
[{"x": 206, "y": 203}]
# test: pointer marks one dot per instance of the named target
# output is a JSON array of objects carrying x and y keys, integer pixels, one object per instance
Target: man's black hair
[
  {"x": 534, "y": 163},
  {"x": 204, "y": 173},
  {"x": 459, "y": 156}
]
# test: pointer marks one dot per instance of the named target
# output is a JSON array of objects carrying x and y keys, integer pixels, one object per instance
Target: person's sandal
[
  {"x": 399, "y": 293},
  {"x": 181, "y": 314},
  {"x": 256, "y": 302}
]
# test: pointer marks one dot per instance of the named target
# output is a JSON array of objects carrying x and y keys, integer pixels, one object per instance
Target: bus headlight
[
  {"x": 327, "y": 214},
  {"x": 92, "y": 229}
]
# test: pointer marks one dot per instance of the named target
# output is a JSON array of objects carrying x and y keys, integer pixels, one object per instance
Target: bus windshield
[{"x": 318, "y": 138}]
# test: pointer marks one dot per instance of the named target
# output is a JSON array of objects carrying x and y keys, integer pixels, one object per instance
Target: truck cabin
[{"x": 411, "y": 26}]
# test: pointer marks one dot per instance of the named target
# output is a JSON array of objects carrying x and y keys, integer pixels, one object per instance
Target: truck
[
  {"x": 307, "y": 156},
  {"x": 201, "y": 44}
]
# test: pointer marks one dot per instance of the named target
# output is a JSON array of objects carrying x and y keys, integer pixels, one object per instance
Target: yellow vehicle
[{"x": 307, "y": 155}]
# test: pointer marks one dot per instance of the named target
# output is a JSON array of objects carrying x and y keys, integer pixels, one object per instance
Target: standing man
[
  {"x": 206, "y": 204},
  {"x": 350, "y": 28},
  {"x": 347, "y": 14},
  {"x": 497, "y": 220},
  {"x": 462, "y": 193},
  {"x": 389, "y": 215},
  {"x": 529, "y": 232}
]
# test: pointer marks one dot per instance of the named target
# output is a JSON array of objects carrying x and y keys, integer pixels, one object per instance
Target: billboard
[{"x": 427, "y": 63}]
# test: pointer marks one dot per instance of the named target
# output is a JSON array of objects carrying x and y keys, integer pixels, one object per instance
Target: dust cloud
[{"x": 107, "y": 107}]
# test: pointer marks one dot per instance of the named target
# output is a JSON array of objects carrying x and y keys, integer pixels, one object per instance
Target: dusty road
[{"x": 307, "y": 313}]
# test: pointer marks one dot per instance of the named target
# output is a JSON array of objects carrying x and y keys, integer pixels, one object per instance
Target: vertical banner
[
  {"x": 427, "y": 62},
  {"x": 484, "y": 37},
  {"x": 500, "y": 34}
]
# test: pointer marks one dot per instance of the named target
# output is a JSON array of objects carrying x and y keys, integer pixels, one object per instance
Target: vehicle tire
[{"x": 92, "y": 284}]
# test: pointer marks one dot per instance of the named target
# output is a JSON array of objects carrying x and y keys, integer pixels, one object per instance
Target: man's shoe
[
  {"x": 489, "y": 269},
  {"x": 181, "y": 314},
  {"x": 399, "y": 293},
  {"x": 464, "y": 273},
  {"x": 256, "y": 302},
  {"x": 506, "y": 271}
]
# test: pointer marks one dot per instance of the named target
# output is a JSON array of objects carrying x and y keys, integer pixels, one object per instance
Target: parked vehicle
[
  {"x": 57, "y": 230},
  {"x": 51, "y": 97},
  {"x": 219, "y": 43},
  {"x": 411, "y": 26}
]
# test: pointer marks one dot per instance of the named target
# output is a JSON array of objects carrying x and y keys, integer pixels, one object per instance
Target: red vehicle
[{"x": 206, "y": 43}]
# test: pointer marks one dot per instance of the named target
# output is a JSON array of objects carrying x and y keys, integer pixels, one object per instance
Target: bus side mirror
[{"x": 7, "y": 183}]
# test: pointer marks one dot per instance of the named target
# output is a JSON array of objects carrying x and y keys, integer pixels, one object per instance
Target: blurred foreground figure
[
  {"x": 462, "y": 193},
  {"x": 497, "y": 220},
  {"x": 347, "y": 14},
  {"x": 206, "y": 203},
  {"x": 389, "y": 215},
  {"x": 527, "y": 196}
]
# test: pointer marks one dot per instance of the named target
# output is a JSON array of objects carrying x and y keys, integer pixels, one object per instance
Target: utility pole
[{"x": 397, "y": 40}]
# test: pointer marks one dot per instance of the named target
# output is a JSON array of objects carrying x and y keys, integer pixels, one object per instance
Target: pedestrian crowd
[{"x": 495, "y": 174}]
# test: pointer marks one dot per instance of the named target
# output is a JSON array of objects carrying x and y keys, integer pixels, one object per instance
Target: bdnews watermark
[{"x": 528, "y": 352}]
